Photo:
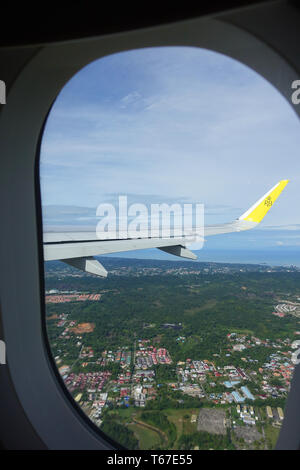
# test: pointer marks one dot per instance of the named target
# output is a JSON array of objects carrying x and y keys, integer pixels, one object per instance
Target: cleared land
[
  {"x": 83, "y": 328},
  {"x": 212, "y": 421},
  {"x": 248, "y": 433}
]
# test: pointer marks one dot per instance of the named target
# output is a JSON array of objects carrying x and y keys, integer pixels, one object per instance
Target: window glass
[{"x": 167, "y": 352}]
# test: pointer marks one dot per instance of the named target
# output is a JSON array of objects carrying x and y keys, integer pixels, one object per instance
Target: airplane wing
[{"x": 78, "y": 248}]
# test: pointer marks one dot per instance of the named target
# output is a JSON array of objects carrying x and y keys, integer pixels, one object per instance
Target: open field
[
  {"x": 182, "y": 421},
  {"x": 148, "y": 438},
  {"x": 271, "y": 433}
]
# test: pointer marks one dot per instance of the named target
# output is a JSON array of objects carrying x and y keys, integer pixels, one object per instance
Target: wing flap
[
  {"x": 88, "y": 264},
  {"x": 179, "y": 250}
]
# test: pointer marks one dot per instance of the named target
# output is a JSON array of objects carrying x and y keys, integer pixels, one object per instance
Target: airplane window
[{"x": 161, "y": 350}]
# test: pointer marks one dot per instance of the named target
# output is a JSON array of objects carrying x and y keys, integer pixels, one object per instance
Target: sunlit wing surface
[{"x": 78, "y": 248}]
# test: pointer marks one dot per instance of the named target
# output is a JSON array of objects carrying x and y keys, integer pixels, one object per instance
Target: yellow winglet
[{"x": 257, "y": 212}]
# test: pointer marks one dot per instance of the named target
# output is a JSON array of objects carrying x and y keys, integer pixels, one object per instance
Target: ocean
[{"x": 277, "y": 257}]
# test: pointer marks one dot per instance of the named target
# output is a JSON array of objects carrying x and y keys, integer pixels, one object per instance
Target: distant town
[{"x": 140, "y": 267}]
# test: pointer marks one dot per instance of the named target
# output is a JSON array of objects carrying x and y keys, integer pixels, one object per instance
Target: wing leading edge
[{"x": 78, "y": 248}]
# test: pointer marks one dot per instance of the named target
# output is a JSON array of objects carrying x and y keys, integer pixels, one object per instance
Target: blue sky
[{"x": 173, "y": 124}]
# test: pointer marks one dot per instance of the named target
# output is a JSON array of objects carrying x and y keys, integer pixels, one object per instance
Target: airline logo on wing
[
  {"x": 268, "y": 201},
  {"x": 257, "y": 212}
]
